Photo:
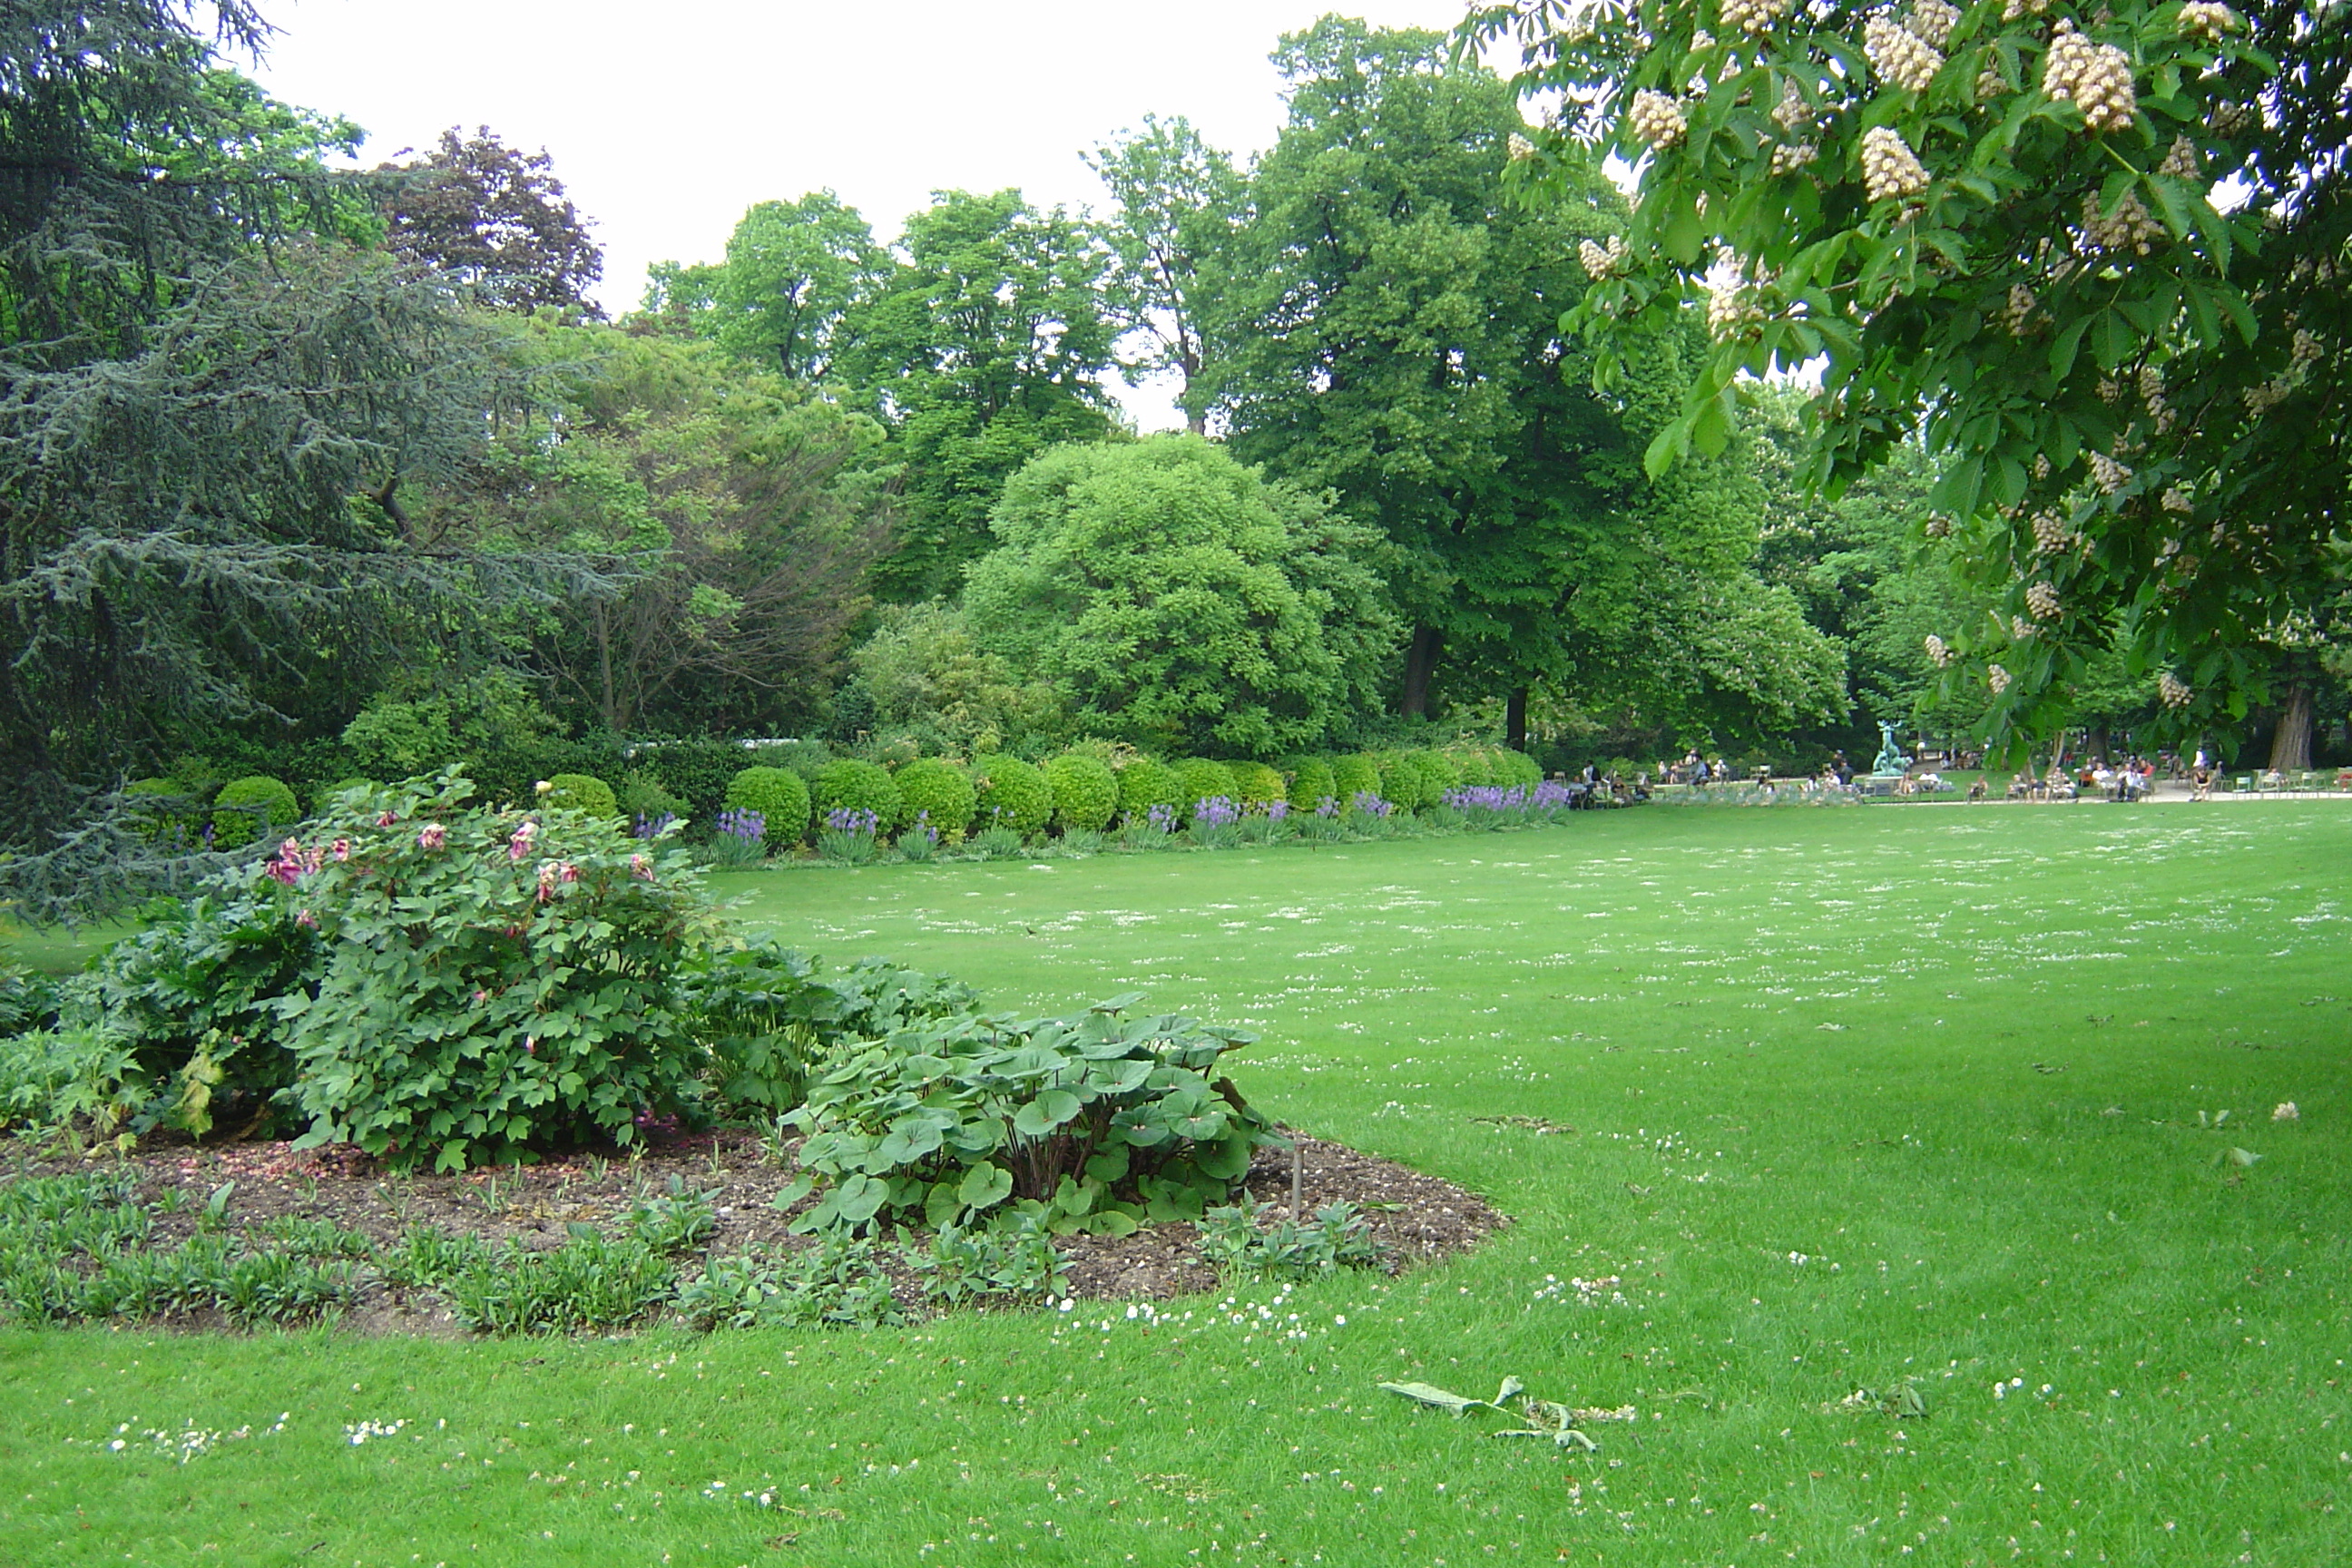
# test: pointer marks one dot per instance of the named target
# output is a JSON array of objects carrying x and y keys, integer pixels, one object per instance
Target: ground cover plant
[{"x": 1794, "y": 1111}]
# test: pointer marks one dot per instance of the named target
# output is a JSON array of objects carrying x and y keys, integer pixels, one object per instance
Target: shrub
[
  {"x": 1401, "y": 780},
  {"x": 1260, "y": 786},
  {"x": 1353, "y": 776},
  {"x": 942, "y": 790},
  {"x": 996, "y": 844},
  {"x": 1144, "y": 783},
  {"x": 1471, "y": 767},
  {"x": 1012, "y": 795},
  {"x": 780, "y": 797},
  {"x": 643, "y": 799},
  {"x": 1086, "y": 793},
  {"x": 582, "y": 791},
  {"x": 847, "y": 785},
  {"x": 492, "y": 982},
  {"x": 806, "y": 758},
  {"x": 1090, "y": 1122},
  {"x": 1310, "y": 782},
  {"x": 1201, "y": 780},
  {"x": 1439, "y": 777},
  {"x": 697, "y": 772},
  {"x": 61, "y": 1078},
  {"x": 252, "y": 809},
  {"x": 1514, "y": 770}
]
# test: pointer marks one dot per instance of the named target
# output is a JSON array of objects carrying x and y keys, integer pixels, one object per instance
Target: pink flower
[
  {"x": 342, "y": 848},
  {"x": 306, "y": 919},
  {"x": 529, "y": 1045},
  {"x": 287, "y": 867},
  {"x": 432, "y": 835},
  {"x": 568, "y": 871},
  {"x": 385, "y": 820},
  {"x": 480, "y": 997},
  {"x": 547, "y": 873},
  {"x": 641, "y": 867},
  {"x": 519, "y": 846}
]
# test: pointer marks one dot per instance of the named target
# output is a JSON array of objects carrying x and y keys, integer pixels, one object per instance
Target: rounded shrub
[
  {"x": 582, "y": 792},
  {"x": 1352, "y": 775},
  {"x": 1310, "y": 782},
  {"x": 1471, "y": 766},
  {"x": 1012, "y": 795},
  {"x": 1203, "y": 780},
  {"x": 1438, "y": 775},
  {"x": 1515, "y": 770},
  {"x": 776, "y": 794},
  {"x": 1144, "y": 783},
  {"x": 938, "y": 792},
  {"x": 1401, "y": 780},
  {"x": 1260, "y": 785},
  {"x": 1086, "y": 791},
  {"x": 851, "y": 786},
  {"x": 251, "y": 808}
]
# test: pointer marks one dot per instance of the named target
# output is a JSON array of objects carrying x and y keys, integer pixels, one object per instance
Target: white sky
[{"x": 665, "y": 124}]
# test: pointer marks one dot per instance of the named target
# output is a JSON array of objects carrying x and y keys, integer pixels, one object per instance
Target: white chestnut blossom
[
  {"x": 1898, "y": 55},
  {"x": 1656, "y": 118},
  {"x": 2207, "y": 19},
  {"x": 1997, "y": 677},
  {"x": 2041, "y": 599},
  {"x": 2172, "y": 691},
  {"x": 1890, "y": 170},
  {"x": 2094, "y": 77},
  {"x": 1753, "y": 17}
]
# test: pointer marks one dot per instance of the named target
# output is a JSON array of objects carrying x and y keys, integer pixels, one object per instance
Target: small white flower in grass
[{"x": 2286, "y": 1113}]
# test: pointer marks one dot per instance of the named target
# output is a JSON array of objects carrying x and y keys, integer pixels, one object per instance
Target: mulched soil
[{"x": 1416, "y": 1218}]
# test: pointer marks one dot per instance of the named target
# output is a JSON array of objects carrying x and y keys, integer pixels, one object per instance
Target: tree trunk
[
  {"x": 2291, "y": 742},
  {"x": 1420, "y": 660},
  {"x": 1515, "y": 719}
]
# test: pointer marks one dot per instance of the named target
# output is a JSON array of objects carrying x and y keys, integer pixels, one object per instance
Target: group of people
[{"x": 2128, "y": 780}]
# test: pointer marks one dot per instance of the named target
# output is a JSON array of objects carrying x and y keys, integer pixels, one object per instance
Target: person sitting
[{"x": 1976, "y": 790}]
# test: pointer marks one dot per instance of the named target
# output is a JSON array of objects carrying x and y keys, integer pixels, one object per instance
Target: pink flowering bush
[{"x": 493, "y": 983}]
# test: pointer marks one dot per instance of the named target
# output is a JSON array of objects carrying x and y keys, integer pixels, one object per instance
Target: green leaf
[{"x": 985, "y": 1186}]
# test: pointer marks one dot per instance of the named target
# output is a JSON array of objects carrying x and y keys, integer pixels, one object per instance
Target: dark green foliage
[
  {"x": 1089, "y": 1122},
  {"x": 1310, "y": 782},
  {"x": 778, "y": 794},
  {"x": 938, "y": 792},
  {"x": 1143, "y": 783},
  {"x": 1013, "y": 794},
  {"x": 253, "y": 810},
  {"x": 697, "y": 772},
  {"x": 492, "y": 982},
  {"x": 584, "y": 794},
  {"x": 644, "y": 799},
  {"x": 1239, "y": 1244},
  {"x": 1086, "y": 791},
  {"x": 851, "y": 786},
  {"x": 587, "y": 1284},
  {"x": 1201, "y": 779}
]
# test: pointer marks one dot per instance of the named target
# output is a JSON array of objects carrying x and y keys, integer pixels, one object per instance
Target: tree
[
  {"x": 985, "y": 346},
  {"x": 1996, "y": 225},
  {"x": 758, "y": 507},
  {"x": 793, "y": 274},
  {"x": 1181, "y": 601},
  {"x": 496, "y": 218},
  {"x": 1395, "y": 338},
  {"x": 1177, "y": 204}
]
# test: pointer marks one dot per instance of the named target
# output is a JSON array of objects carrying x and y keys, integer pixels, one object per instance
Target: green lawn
[{"x": 1857, "y": 1095}]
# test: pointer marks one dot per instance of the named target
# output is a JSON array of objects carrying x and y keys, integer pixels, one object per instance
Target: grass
[{"x": 1857, "y": 1095}]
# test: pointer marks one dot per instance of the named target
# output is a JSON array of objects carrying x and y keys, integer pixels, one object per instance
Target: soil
[{"x": 1416, "y": 1219}]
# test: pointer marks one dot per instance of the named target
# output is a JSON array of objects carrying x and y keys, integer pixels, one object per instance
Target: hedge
[
  {"x": 942, "y": 790},
  {"x": 1310, "y": 782},
  {"x": 776, "y": 794},
  {"x": 1013, "y": 794},
  {"x": 1203, "y": 780},
  {"x": 848, "y": 786},
  {"x": 582, "y": 792},
  {"x": 1351, "y": 777},
  {"x": 1086, "y": 793},
  {"x": 1144, "y": 783},
  {"x": 1260, "y": 785},
  {"x": 252, "y": 808}
]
